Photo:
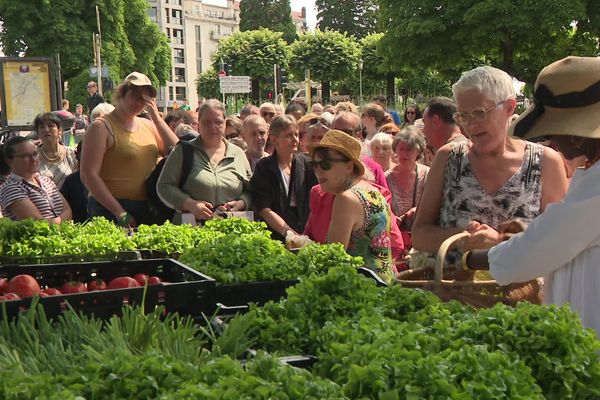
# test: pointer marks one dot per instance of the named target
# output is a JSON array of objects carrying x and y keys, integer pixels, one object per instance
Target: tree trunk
[
  {"x": 255, "y": 90},
  {"x": 390, "y": 89},
  {"x": 507, "y": 53},
  {"x": 326, "y": 89}
]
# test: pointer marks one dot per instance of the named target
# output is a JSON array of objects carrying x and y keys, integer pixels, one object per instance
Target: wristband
[{"x": 465, "y": 265}]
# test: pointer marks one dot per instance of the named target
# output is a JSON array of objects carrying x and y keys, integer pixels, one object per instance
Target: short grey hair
[
  {"x": 495, "y": 84},
  {"x": 282, "y": 122},
  {"x": 412, "y": 136},
  {"x": 211, "y": 104},
  {"x": 100, "y": 110},
  {"x": 383, "y": 138}
]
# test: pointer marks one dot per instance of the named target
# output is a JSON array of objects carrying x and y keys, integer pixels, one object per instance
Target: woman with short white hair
[
  {"x": 491, "y": 179},
  {"x": 381, "y": 150}
]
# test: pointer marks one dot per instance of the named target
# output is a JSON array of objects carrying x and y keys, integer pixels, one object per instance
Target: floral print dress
[{"x": 372, "y": 240}]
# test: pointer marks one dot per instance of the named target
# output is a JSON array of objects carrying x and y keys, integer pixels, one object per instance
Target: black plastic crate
[
  {"x": 187, "y": 292},
  {"x": 70, "y": 258},
  {"x": 240, "y": 294}
]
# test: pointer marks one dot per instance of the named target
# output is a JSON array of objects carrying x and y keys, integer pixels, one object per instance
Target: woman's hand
[
  {"x": 202, "y": 210},
  {"x": 406, "y": 220},
  {"x": 511, "y": 228},
  {"x": 233, "y": 205},
  {"x": 151, "y": 106},
  {"x": 482, "y": 237}
]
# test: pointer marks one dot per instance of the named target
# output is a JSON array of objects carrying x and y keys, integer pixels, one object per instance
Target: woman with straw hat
[
  {"x": 361, "y": 217},
  {"x": 562, "y": 244}
]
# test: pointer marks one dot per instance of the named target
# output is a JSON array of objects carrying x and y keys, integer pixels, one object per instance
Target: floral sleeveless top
[
  {"x": 372, "y": 241},
  {"x": 403, "y": 200},
  {"x": 465, "y": 200}
]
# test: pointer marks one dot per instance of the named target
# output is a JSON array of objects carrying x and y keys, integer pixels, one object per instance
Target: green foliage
[
  {"x": 170, "y": 239},
  {"x": 242, "y": 258},
  {"x": 275, "y": 15},
  {"x": 237, "y": 226},
  {"x": 37, "y": 238},
  {"x": 136, "y": 356},
  {"x": 129, "y": 39},
  {"x": 330, "y": 55},
  {"x": 420, "y": 33},
  {"x": 404, "y": 343},
  {"x": 355, "y": 17},
  {"x": 207, "y": 84},
  {"x": 252, "y": 52}
]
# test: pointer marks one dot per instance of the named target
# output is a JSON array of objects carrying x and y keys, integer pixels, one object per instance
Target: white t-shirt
[{"x": 563, "y": 245}]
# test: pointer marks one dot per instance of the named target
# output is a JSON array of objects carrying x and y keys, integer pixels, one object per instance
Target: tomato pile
[{"x": 24, "y": 286}]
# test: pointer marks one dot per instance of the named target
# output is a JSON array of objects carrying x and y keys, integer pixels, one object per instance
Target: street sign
[
  {"x": 235, "y": 84},
  {"x": 222, "y": 73},
  {"x": 94, "y": 71}
]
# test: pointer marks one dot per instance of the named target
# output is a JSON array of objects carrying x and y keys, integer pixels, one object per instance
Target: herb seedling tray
[{"x": 187, "y": 292}]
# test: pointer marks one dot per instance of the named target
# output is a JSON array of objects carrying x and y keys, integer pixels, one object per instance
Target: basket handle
[{"x": 441, "y": 254}]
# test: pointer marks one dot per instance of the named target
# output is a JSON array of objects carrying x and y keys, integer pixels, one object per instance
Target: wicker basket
[{"x": 464, "y": 286}]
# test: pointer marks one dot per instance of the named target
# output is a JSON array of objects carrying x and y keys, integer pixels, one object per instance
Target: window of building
[
  {"x": 177, "y": 20},
  {"x": 167, "y": 15},
  {"x": 180, "y": 93},
  {"x": 198, "y": 49},
  {"x": 178, "y": 56},
  {"x": 153, "y": 13},
  {"x": 179, "y": 74},
  {"x": 177, "y": 36}
]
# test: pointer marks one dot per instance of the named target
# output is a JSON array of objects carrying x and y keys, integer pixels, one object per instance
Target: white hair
[
  {"x": 495, "y": 84},
  {"x": 100, "y": 110},
  {"x": 382, "y": 138}
]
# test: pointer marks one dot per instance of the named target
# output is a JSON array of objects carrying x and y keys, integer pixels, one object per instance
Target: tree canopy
[
  {"x": 275, "y": 15},
  {"x": 520, "y": 37},
  {"x": 330, "y": 55},
  {"x": 253, "y": 53},
  {"x": 129, "y": 39},
  {"x": 355, "y": 17}
]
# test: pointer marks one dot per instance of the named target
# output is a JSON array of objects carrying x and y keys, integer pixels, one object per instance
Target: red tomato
[
  {"x": 123, "y": 282},
  {"x": 141, "y": 278},
  {"x": 52, "y": 292},
  {"x": 154, "y": 280},
  {"x": 23, "y": 286},
  {"x": 10, "y": 296},
  {"x": 96, "y": 284},
  {"x": 3, "y": 285},
  {"x": 73, "y": 287}
]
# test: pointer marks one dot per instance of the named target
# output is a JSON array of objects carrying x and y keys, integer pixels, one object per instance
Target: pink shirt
[
  {"x": 321, "y": 205},
  {"x": 377, "y": 171}
]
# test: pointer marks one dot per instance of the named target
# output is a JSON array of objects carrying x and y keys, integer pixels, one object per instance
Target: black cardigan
[{"x": 268, "y": 191}]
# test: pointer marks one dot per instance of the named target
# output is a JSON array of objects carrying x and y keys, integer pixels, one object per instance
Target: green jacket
[{"x": 215, "y": 184}]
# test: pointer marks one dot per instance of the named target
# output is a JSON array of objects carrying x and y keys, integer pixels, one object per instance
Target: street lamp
[{"x": 360, "y": 68}]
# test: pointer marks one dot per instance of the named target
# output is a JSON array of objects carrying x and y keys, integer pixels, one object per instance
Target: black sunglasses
[
  {"x": 325, "y": 164},
  {"x": 269, "y": 114}
]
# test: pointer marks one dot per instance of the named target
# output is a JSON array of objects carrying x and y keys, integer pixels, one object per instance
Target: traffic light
[
  {"x": 270, "y": 95},
  {"x": 281, "y": 78},
  {"x": 229, "y": 69}
]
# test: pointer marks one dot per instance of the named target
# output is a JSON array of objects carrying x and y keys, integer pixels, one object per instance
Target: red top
[{"x": 321, "y": 205}]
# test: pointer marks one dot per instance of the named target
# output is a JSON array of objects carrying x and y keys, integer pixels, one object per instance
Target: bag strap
[{"x": 186, "y": 164}]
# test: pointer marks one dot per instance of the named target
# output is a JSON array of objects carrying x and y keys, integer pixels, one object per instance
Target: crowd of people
[{"x": 389, "y": 188}]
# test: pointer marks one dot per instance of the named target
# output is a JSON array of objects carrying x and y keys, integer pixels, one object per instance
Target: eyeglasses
[
  {"x": 267, "y": 114},
  {"x": 33, "y": 155},
  {"x": 325, "y": 164},
  {"x": 478, "y": 114},
  {"x": 410, "y": 112}
]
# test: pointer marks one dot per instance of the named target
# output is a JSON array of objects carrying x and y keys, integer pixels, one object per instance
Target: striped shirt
[
  {"x": 46, "y": 197},
  {"x": 58, "y": 172}
]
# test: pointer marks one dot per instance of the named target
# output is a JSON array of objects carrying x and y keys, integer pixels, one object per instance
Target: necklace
[{"x": 51, "y": 158}]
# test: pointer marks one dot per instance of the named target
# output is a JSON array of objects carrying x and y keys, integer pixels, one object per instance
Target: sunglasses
[
  {"x": 326, "y": 163},
  {"x": 267, "y": 114},
  {"x": 410, "y": 112}
]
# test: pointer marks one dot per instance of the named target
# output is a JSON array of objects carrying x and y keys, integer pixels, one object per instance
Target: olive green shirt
[{"x": 216, "y": 184}]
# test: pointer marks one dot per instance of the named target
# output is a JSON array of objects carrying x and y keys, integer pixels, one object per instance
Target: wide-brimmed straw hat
[
  {"x": 139, "y": 79},
  {"x": 343, "y": 144},
  {"x": 566, "y": 101}
]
